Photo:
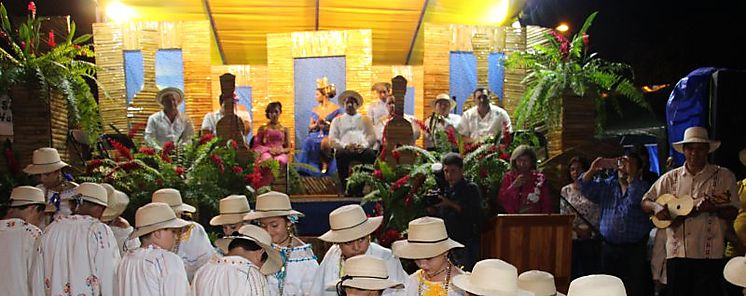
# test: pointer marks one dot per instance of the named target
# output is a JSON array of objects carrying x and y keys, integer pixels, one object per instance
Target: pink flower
[
  {"x": 451, "y": 133},
  {"x": 586, "y": 39},
  {"x": 378, "y": 174},
  {"x": 218, "y": 162},
  {"x": 206, "y": 138},
  {"x": 32, "y": 8},
  {"x": 395, "y": 154},
  {"x": 147, "y": 150},
  {"x": 23, "y": 45},
  {"x": 399, "y": 183},
  {"x": 237, "y": 170},
  {"x": 167, "y": 148},
  {"x": 51, "y": 42},
  {"x": 179, "y": 170}
]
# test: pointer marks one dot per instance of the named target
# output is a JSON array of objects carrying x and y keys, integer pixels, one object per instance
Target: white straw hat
[
  {"x": 45, "y": 160},
  {"x": 350, "y": 93},
  {"x": 491, "y": 277},
  {"x": 118, "y": 202},
  {"x": 26, "y": 195},
  {"x": 427, "y": 238},
  {"x": 232, "y": 210},
  {"x": 170, "y": 90},
  {"x": 735, "y": 271},
  {"x": 349, "y": 223},
  {"x": 696, "y": 134},
  {"x": 93, "y": 193},
  {"x": 541, "y": 283},
  {"x": 155, "y": 216},
  {"x": 172, "y": 197},
  {"x": 260, "y": 237},
  {"x": 367, "y": 273},
  {"x": 272, "y": 204},
  {"x": 445, "y": 97},
  {"x": 597, "y": 284}
]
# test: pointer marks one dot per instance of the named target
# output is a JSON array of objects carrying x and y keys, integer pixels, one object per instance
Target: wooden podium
[{"x": 532, "y": 241}]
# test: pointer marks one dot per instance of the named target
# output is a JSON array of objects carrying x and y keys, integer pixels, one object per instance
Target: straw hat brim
[
  {"x": 225, "y": 219},
  {"x": 344, "y": 95},
  {"x": 163, "y": 92},
  {"x": 453, "y": 103},
  {"x": 173, "y": 223},
  {"x": 93, "y": 200},
  {"x": 367, "y": 284},
  {"x": 733, "y": 272},
  {"x": 407, "y": 250},
  {"x": 253, "y": 215},
  {"x": 462, "y": 281},
  {"x": 273, "y": 263},
  {"x": 345, "y": 235},
  {"x": 679, "y": 146},
  {"x": 184, "y": 208},
  {"x": 37, "y": 169},
  {"x": 20, "y": 203}
]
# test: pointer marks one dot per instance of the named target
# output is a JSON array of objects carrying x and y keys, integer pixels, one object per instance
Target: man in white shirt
[
  {"x": 153, "y": 270},
  {"x": 168, "y": 124},
  {"x": 194, "y": 244},
  {"x": 380, "y": 125},
  {"x": 79, "y": 253},
  {"x": 210, "y": 121},
  {"x": 19, "y": 235},
  {"x": 350, "y": 233},
  {"x": 441, "y": 120},
  {"x": 352, "y": 136},
  {"x": 377, "y": 109},
  {"x": 250, "y": 258},
  {"x": 695, "y": 244},
  {"x": 484, "y": 120}
]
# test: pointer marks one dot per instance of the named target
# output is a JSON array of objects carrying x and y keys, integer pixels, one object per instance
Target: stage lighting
[
  {"x": 563, "y": 27},
  {"x": 118, "y": 12}
]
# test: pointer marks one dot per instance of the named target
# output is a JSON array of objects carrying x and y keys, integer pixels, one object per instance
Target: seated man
[
  {"x": 483, "y": 120},
  {"x": 441, "y": 121},
  {"x": 352, "y": 136},
  {"x": 210, "y": 121},
  {"x": 380, "y": 124},
  {"x": 168, "y": 124}
]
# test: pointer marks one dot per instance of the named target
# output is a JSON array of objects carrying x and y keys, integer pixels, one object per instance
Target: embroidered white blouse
[
  {"x": 352, "y": 129},
  {"x": 230, "y": 275},
  {"x": 152, "y": 271},
  {"x": 160, "y": 129},
  {"x": 18, "y": 242},
  {"x": 300, "y": 268},
  {"x": 80, "y": 255},
  {"x": 195, "y": 248},
  {"x": 123, "y": 242}
]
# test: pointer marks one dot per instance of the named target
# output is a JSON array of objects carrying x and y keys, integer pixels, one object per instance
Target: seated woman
[
  {"x": 380, "y": 123},
  {"x": 524, "y": 190},
  {"x": 272, "y": 138},
  {"x": 316, "y": 149}
]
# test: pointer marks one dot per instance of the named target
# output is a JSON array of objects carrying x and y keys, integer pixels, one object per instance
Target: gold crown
[{"x": 322, "y": 83}]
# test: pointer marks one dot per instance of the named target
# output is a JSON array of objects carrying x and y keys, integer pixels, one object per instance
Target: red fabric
[{"x": 515, "y": 200}]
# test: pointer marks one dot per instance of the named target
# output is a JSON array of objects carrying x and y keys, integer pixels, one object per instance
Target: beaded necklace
[
  {"x": 284, "y": 253},
  {"x": 446, "y": 283}
]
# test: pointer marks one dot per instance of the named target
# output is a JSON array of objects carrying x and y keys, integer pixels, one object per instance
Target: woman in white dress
[
  {"x": 274, "y": 213},
  {"x": 428, "y": 245}
]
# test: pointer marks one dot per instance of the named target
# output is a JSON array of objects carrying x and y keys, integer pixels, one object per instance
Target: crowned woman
[{"x": 316, "y": 149}]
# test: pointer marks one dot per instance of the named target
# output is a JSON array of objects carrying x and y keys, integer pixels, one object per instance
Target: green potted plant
[
  {"x": 46, "y": 81},
  {"x": 565, "y": 77}
]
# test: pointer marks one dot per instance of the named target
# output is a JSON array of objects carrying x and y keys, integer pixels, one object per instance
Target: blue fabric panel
[
  {"x": 463, "y": 77},
  {"x": 133, "y": 73},
  {"x": 169, "y": 70},
  {"x": 409, "y": 101},
  {"x": 306, "y": 71},
  {"x": 244, "y": 104},
  {"x": 316, "y": 219},
  {"x": 655, "y": 165},
  {"x": 496, "y": 73},
  {"x": 688, "y": 105}
]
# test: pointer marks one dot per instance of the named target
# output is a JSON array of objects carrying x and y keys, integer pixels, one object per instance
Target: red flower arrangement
[
  {"x": 399, "y": 183},
  {"x": 147, "y": 150},
  {"x": 123, "y": 151}
]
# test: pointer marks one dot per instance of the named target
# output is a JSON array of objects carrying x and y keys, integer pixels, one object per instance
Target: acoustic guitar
[
  {"x": 398, "y": 130},
  {"x": 231, "y": 127},
  {"x": 678, "y": 207}
]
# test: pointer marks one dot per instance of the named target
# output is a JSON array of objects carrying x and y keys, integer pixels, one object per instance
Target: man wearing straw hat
[
  {"x": 377, "y": 109},
  {"x": 79, "y": 252},
  {"x": 19, "y": 235},
  {"x": 695, "y": 246},
  {"x": 168, "y": 124},
  {"x": 153, "y": 269},
  {"x": 491, "y": 277},
  {"x": 484, "y": 120},
  {"x": 194, "y": 245},
  {"x": 243, "y": 271},
  {"x": 441, "y": 120},
  {"x": 597, "y": 284},
  {"x": 735, "y": 273},
  {"x": 350, "y": 233},
  {"x": 121, "y": 228},
  {"x": 352, "y": 136},
  {"x": 365, "y": 276},
  {"x": 232, "y": 209},
  {"x": 46, "y": 164},
  {"x": 428, "y": 245},
  {"x": 541, "y": 283}
]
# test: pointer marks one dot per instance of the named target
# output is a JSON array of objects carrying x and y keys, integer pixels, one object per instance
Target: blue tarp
[{"x": 463, "y": 75}]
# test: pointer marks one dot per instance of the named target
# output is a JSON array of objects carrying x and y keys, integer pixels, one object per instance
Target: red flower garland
[
  {"x": 123, "y": 151},
  {"x": 399, "y": 183},
  {"x": 206, "y": 138},
  {"x": 167, "y": 148},
  {"x": 218, "y": 162},
  {"x": 147, "y": 150}
]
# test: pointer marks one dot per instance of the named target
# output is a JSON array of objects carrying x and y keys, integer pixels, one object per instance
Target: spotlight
[
  {"x": 118, "y": 12},
  {"x": 563, "y": 27}
]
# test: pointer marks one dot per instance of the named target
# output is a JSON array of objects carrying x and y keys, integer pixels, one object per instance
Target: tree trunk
[{"x": 577, "y": 124}]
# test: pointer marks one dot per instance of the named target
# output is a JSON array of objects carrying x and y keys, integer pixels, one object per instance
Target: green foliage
[
  {"x": 57, "y": 69},
  {"x": 566, "y": 67}
]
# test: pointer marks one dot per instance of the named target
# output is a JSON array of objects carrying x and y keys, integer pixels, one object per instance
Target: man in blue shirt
[{"x": 624, "y": 226}]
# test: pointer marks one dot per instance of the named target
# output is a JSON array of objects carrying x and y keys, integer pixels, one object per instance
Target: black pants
[
  {"x": 586, "y": 256},
  {"x": 695, "y": 277},
  {"x": 629, "y": 263},
  {"x": 345, "y": 157}
]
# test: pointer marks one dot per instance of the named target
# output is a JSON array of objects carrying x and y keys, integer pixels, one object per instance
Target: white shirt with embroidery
[
  {"x": 352, "y": 129},
  {"x": 80, "y": 255},
  {"x": 152, "y": 271},
  {"x": 300, "y": 268},
  {"x": 329, "y": 270},
  {"x": 479, "y": 128},
  {"x": 18, "y": 242},
  {"x": 123, "y": 242},
  {"x": 701, "y": 236},
  {"x": 377, "y": 110},
  {"x": 195, "y": 248},
  {"x": 230, "y": 275},
  {"x": 160, "y": 129},
  {"x": 440, "y": 125}
]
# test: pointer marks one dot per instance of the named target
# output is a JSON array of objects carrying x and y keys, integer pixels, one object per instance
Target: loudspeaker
[{"x": 728, "y": 118}]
